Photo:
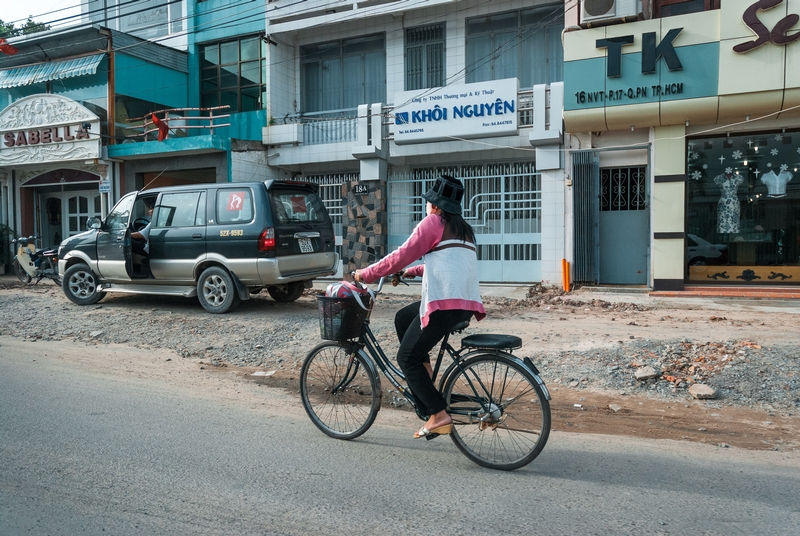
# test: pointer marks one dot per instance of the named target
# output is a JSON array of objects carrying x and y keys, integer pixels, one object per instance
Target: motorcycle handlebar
[{"x": 26, "y": 239}]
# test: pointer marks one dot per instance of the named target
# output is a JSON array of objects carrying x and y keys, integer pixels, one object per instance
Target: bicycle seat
[
  {"x": 488, "y": 340},
  {"x": 460, "y": 326}
]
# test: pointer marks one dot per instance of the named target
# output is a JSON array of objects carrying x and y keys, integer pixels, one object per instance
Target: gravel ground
[{"x": 274, "y": 336}]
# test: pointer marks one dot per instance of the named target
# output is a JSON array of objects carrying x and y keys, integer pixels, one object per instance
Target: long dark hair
[{"x": 459, "y": 227}]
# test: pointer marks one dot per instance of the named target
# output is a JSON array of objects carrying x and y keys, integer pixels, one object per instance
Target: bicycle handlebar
[{"x": 361, "y": 285}]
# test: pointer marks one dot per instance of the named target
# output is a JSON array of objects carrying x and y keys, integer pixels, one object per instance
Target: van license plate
[{"x": 305, "y": 245}]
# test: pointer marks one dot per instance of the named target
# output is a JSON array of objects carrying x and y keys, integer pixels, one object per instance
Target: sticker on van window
[
  {"x": 298, "y": 204},
  {"x": 236, "y": 201}
]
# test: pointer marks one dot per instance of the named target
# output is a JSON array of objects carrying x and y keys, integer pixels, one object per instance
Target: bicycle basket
[{"x": 341, "y": 319}]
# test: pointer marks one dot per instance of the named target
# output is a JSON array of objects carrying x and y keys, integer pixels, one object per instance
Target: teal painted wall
[
  {"x": 215, "y": 20},
  {"x": 245, "y": 126},
  {"x": 84, "y": 88},
  {"x": 587, "y": 86},
  {"x": 150, "y": 82},
  {"x": 8, "y": 96}
]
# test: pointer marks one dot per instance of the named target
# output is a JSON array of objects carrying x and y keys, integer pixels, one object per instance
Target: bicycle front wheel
[
  {"x": 501, "y": 416},
  {"x": 340, "y": 393}
]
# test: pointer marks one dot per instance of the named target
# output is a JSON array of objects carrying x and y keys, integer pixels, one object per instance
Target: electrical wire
[{"x": 236, "y": 19}]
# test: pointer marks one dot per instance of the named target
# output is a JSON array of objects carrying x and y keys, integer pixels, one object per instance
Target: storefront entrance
[
  {"x": 611, "y": 227},
  {"x": 623, "y": 225},
  {"x": 63, "y": 200}
]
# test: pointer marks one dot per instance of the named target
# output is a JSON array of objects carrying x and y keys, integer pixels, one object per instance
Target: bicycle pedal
[{"x": 431, "y": 436}]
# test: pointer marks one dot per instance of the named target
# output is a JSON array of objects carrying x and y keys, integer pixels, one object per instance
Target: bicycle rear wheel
[
  {"x": 340, "y": 393},
  {"x": 501, "y": 416}
]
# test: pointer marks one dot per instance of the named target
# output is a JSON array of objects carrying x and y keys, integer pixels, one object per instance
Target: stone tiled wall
[{"x": 365, "y": 217}]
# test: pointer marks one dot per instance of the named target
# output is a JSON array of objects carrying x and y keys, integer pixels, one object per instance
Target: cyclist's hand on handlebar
[
  {"x": 357, "y": 276},
  {"x": 397, "y": 278}
]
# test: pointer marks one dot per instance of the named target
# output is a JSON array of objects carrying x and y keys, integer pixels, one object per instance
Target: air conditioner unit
[{"x": 607, "y": 10}]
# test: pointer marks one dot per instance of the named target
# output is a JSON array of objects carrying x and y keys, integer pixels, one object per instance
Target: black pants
[
  {"x": 137, "y": 245},
  {"x": 415, "y": 345}
]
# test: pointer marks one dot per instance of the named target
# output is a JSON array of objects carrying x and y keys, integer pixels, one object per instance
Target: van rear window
[
  {"x": 297, "y": 206},
  {"x": 234, "y": 205}
]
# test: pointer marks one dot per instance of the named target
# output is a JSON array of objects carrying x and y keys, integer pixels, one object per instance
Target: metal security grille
[
  {"x": 425, "y": 57},
  {"x": 502, "y": 202},
  {"x": 584, "y": 198},
  {"x": 622, "y": 189}
]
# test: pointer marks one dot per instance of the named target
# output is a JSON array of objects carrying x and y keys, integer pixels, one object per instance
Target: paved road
[{"x": 82, "y": 451}]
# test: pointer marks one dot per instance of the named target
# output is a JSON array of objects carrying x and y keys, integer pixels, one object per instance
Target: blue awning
[{"x": 52, "y": 70}]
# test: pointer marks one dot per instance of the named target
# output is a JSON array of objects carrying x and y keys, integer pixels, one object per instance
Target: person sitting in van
[{"x": 140, "y": 240}]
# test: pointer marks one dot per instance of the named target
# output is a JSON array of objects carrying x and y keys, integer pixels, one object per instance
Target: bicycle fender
[{"x": 535, "y": 372}]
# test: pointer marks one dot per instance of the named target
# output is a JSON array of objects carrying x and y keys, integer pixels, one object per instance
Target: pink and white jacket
[{"x": 450, "y": 272}]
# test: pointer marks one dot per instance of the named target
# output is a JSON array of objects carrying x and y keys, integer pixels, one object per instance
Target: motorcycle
[{"x": 30, "y": 262}]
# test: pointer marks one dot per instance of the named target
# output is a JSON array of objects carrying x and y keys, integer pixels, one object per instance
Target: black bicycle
[{"x": 499, "y": 405}]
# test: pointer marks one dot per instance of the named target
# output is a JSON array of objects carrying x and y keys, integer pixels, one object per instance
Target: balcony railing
[
  {"x": 179, "y": 121},
  {"x": 335, "y": 126}
]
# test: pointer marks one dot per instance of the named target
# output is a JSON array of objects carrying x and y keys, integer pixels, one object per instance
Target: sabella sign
[{"x": 449, "y": 113}]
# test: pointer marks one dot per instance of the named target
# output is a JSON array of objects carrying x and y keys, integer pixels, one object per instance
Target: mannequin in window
[
  {"x": 728, "y": 207},
  {"x": 776, "y": 184}
]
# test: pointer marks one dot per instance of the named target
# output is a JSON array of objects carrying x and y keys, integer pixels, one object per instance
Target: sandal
[{"x": 430, "y": 434}]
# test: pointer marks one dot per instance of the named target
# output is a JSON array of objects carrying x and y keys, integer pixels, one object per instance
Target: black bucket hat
[{"x": 446, "y": 193}]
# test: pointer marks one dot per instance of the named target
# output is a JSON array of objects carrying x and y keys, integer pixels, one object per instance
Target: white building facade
[{"x": 374, "y": 100}]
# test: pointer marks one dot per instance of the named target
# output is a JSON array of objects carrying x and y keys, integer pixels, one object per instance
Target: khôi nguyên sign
[{"x": 483, "y": 109}]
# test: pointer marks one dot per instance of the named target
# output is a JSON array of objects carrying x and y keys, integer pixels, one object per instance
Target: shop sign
[
  {"x": 45, "y": 135},
  {"x": 47, "y": 128},
  {"x": 482, "y": 109},
  {"x": 776, "y": 35},
  {"x": 651, "y": 52},
  {"x": 105, "y": 186},
  {"x": 588, "y": 85}
]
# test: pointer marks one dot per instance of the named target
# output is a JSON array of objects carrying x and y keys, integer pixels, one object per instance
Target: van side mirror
[{"x": 94, "y": 223}]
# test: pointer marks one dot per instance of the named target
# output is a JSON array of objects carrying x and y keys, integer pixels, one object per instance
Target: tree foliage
[{"x": 7, "y": 29}]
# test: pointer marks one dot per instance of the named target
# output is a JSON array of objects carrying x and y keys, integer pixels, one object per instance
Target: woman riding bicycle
[{"x": 450, "y": 293}]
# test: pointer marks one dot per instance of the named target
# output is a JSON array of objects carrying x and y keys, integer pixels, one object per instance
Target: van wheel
[
  {"x": 216, "y": 291},
  {"x": 286, "y": 293},
  {"x": 80, "y": 285}
]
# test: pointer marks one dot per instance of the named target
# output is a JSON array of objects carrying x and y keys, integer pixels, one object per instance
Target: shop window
[
  {"x": 522, "y": 44},
  {"x": 623, "y": 189},
  {"x": 425, "y": 57},
  {"x": 234, "y": 73},
  {"x": 670, "y": 8},
  {"x": 341, "y": 75},
  {"x": 743, "y": 209}
]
